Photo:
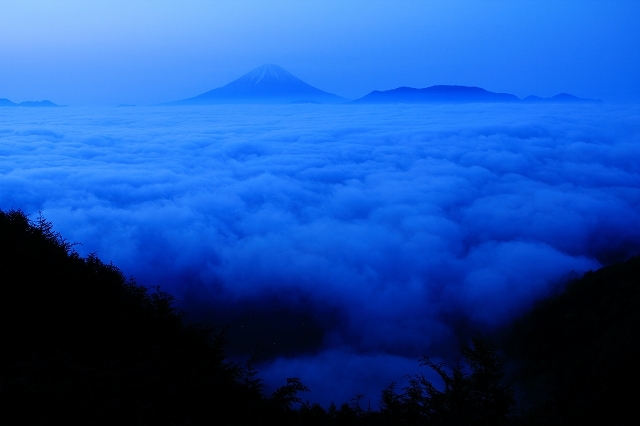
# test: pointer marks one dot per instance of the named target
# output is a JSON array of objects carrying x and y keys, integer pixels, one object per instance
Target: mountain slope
[{"x": 265, "y": 84}]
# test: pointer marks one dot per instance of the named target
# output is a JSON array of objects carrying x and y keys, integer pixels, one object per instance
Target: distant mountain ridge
[
  {"x": 270, "y": 83},
  {"x": 30, "y": 104},
  {"x": 458, "y": 94},
  {"x": 560, "y": 98},
  {"x": 266, "y": 84}
]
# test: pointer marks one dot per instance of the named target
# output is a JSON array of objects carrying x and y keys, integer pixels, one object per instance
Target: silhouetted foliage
[
  {"x": 285, "y": 396},
  {"x": 476, "y": 398}
]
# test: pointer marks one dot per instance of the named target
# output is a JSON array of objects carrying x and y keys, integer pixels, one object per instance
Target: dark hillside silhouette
[
  {"x": 83, "y": 345},
  {"x": 578, "y": 353}
]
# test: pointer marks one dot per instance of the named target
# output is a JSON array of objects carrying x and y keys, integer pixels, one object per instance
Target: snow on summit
[
  {"x": 267, "y": 73},
  {"x": 266, "y": 84}
]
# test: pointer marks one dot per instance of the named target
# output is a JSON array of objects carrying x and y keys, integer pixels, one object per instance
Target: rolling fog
[{"x": 391, "y": 230}]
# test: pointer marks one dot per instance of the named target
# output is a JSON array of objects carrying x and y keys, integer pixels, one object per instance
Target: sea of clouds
[{"x": 349, "y": 240}]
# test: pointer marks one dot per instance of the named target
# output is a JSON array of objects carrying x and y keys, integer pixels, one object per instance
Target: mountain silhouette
[
  {"x": 560, "y": 98},
  {"x": 436, "y": 94},
  {"x": 265, "y": 84},
  {"x": 459, "y": 94},
  {"x": 30, "y": 104}
]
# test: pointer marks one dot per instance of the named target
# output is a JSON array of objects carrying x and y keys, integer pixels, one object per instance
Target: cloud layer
[{"x": 362, "y": 235}]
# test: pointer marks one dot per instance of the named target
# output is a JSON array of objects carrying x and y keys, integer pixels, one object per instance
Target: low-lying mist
[{"x": 346, "y": 240}]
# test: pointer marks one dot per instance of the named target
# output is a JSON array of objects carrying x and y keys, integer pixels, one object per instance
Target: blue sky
[{"x": 145, "y": 52}]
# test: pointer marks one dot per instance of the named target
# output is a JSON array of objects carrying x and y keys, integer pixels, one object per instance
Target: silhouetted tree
[
  {"x": 287, "y": 395},
  {"x": 475, "y": 398}
]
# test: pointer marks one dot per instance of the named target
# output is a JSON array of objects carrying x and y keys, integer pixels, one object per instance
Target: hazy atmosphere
[
  {"x": 346, "y": 239},
  {"x": 153, "y": 51}
]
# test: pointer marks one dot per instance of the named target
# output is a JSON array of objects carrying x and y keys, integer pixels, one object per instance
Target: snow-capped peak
[{"x": 268, "y": 73}]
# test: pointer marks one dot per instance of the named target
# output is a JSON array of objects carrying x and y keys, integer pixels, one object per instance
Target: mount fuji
[{"x": 267, "y": 84}]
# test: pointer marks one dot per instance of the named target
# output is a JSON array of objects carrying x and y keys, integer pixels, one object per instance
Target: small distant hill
[
  {"x": 29, "y": 104},
  {"x": 267, "y": 84},
  {"x": 561, "y": 98}
]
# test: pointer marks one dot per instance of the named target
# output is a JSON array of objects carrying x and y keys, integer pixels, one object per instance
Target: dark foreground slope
[
  {"x": 83, "y": 345},
  {"x": 578, "y": 353}
]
